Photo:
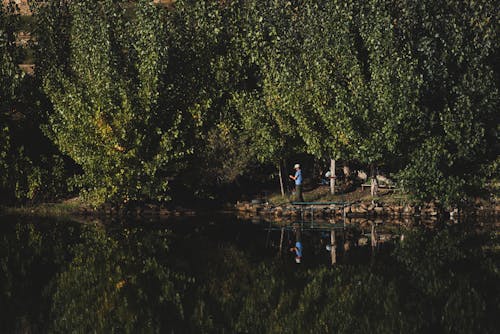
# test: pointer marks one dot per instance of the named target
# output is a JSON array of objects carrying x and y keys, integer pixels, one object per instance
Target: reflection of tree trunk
[
  {"x": 281, "y": 239},
  {"x": 345, "y": 242},
  {"x": 333, "y": 247},
  {"x": 282, "y": 186},
  {"x": 297, "y": 234},
  {"x": 268, "y": 235},
  {"x": 374, "y": 237},
  {"x": 332, "y": 176}
]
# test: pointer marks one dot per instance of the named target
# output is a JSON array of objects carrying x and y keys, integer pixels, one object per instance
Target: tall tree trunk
[
  {"x": 374, "y": 182},
  {"x": 332, "y": 176},
  {"x": 282, "y": 186}
]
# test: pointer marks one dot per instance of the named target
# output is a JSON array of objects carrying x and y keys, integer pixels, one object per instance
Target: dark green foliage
[
  {"x": 410, "y": 86},
  {"x": 137, "y": 97},
  {"x": 456, "y": 46},
  {"x": 113, "y": 113},
  {"x": 30, "y": 167},
  {"x": 207, "y": 67},
  {"x": 10, "y": 79},
  {"x": 150, "y": 101}
]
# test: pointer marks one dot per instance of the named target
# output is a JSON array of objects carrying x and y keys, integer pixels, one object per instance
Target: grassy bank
[{"x": 66, "y": 208}]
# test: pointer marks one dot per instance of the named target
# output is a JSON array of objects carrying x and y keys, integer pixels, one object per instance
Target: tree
[
  {"x": 207, "y": 67},
  {"x": 30, "y": 168},
  {"x": 343, "y": 86},
  {"x": 10, "y": 78},
  {"x": 196, "y": 94},
  {"x": 112, "y": 109},
  {"x": 379, "y": 81},
  {"x": 456, "y": 48}
]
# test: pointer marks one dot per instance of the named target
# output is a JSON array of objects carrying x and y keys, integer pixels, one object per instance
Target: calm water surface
[{"x": 219, "y": 274}]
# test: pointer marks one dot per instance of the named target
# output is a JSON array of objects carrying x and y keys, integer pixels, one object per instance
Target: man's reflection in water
[{"x": 298, "y": 245}]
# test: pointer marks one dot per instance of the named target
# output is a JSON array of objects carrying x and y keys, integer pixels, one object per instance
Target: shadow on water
[{"x": 216, "y": 273}]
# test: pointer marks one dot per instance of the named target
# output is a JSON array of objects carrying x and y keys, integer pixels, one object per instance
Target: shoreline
[
  {"x": 76, "y": 208},
  {"x": 364, "y": 209}
]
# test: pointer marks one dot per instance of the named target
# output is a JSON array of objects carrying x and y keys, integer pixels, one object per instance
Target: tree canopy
[{"x": 149, "y": 100}]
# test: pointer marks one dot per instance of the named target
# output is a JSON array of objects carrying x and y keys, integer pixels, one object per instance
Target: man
[{"x": 298, "y": 182}]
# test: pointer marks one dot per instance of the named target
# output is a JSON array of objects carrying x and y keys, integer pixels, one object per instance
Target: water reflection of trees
[
  {"x": 29, "y": 256},
  {"x": 119, "y": 283},
  {"x": 89, "y": 279}
]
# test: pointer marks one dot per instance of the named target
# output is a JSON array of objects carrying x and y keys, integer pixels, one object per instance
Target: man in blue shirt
[{"x": 298, "y": 182}]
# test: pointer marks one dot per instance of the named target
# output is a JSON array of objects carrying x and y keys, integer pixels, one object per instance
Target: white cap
[
  {"x": 297, "y": 259},
  {"x": 296, "y": 166}
]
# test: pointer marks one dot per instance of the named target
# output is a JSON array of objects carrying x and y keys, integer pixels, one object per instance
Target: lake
[{"x": 217, "y": 273}]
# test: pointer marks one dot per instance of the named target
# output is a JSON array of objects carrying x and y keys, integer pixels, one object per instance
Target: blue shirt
[
  {"x": 298, "y": 177},
  {"x": 298, "y": 249}
]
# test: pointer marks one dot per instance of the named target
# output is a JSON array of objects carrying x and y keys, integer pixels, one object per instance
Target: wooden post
[
  {"x": 333, "y": 247},
  {"x": 332, "y": 176},
  {"x": 281, "y": 180}
]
